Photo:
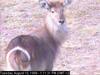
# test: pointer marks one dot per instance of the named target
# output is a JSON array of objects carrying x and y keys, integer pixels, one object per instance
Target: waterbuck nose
[{"x": 61, "y": 21}]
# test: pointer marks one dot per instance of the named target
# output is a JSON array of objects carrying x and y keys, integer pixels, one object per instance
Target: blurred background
[{"x": 80, "y": 54}]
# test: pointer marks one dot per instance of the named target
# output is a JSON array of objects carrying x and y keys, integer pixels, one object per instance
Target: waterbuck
[{"x": 37, "y": 53}]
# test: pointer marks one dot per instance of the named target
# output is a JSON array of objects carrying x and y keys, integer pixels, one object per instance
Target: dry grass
[{"x": 80, "y": 53}]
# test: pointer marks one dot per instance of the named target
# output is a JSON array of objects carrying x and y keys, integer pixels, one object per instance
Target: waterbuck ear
[
  {"x": 67, "y": 2},
  {"x": 44, "y": 4}
]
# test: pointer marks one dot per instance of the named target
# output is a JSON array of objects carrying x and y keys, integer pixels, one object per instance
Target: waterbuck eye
[{"x": 52, "y": 11}]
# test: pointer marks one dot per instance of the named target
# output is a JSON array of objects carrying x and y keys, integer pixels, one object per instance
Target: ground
[{"x": 80, "y": 54}]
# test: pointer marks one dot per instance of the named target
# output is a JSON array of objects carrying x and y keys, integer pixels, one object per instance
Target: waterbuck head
[{"x": 55, "y": 19}]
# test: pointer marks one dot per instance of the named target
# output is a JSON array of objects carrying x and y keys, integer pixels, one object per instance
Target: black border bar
[{"x": 34, "y": 72}]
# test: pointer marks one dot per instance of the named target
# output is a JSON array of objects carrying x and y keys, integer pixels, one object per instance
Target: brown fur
[
  {"x": 42, "y": 48},
  {"x": 56, "y": 4}
]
